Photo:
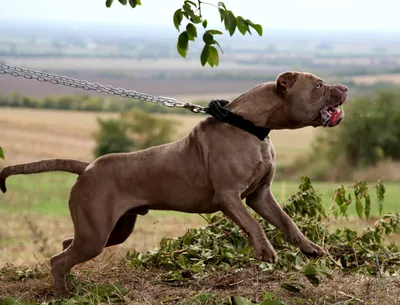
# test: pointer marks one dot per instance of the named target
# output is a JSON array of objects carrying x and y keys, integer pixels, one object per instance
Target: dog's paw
[
  {"x": 62, "y": 293},
  {"x": 266, "y": 254},
  {"x": 312, "y": 250}
]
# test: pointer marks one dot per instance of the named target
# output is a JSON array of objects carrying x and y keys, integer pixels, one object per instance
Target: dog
[{"x": 212, "y": 169}]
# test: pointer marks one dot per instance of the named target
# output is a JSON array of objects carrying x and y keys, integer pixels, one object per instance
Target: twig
[
  {"x": 378, "y": 265},
  {"x": 176, "y": 251},
  {"x": 213, "y": 225},
  {"x": 333, "y": 260},
  {"x": 332, "y": 202},
  {"x": 199, "y": 2},
  {"x": 352, "y": 298},
  {"x": 355, "y": 254},
  {"x": 237, "y": 283},
  {"x": 208, "y": 3}
]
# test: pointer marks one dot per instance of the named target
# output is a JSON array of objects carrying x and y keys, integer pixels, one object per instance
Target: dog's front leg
[
  {"x": 264, "y": 204},
  {"x": 232, "y": 206}
]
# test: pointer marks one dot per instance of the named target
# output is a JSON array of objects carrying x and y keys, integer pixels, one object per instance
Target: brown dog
[{"x": 212, "y": 169}]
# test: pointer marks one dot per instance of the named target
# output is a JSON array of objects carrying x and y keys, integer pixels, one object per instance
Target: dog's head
[{"x": 309, "y": 101}]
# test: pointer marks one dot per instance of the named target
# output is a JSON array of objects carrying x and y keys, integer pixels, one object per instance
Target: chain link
[{"x": 85, "y": 85}]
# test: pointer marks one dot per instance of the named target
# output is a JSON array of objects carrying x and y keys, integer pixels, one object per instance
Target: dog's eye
[{"x": 318, "y": 86}]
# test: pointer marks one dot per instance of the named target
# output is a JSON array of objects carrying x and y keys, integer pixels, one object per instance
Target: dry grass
[
  {"x": 371, "y": 79},
  {"x": 31, "y": 134},
  {"x": 145, "y": 287},
  {"x": 27, "y": 238}
]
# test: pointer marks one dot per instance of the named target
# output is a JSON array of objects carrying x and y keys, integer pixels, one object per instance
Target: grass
[
  {"x": 37, "y": 205},
  {"x": 47, "y": 194}
]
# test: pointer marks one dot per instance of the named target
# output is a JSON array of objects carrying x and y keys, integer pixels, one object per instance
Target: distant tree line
[{"x": 86, "y": 103}]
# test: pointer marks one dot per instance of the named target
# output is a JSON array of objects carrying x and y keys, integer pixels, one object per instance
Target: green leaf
[
  {"x": 12, "y": 301},
  {"x": 367, "y": 210},
  {"x": 204, "y": 23},
  {"x": 2, "y": 154},
  {"x": 380, "y": 193},
  {"x": 216, "y": 42},
  {"x": 178, "y": 16},
  {"x": 272, "y": 302},
  {"x": 215, "y": 32},
  {"x": 183, "y": 43},
  {"x": 191, "y": 2},
  {"x": 242, "y": 25},
  {"x": 208, "y": 38},
  {"x": 311, "y": 272},
  {"x": 204, "y": 54},
  {"x": 238, "y": 300},
  {"x": 359, "y": 207},
  {"x": 109, "y": 3},
  {"x": 133, "y": 3},
  {"x": 222, "y": 4},
  {"x": 190, "y": 13},
  {"x": 230, "y": 22},
  {"x": 257, "y": 27},
  {"x": 290, "y": 287},
  {"x": 222, "y": 13},
  {"x": 195, "y": 19},
  {"x": 213, "y": 57},
  {"x": 191, "y": 30},
  {"x": 123, "y": 2}
]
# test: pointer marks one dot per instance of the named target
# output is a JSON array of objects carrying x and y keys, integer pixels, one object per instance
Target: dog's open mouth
[{"x": 331, "y": 115}]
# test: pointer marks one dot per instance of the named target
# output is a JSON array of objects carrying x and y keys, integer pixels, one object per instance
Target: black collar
[{"x": 217, "y": 110}]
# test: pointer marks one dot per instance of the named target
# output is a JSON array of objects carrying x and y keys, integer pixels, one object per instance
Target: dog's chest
[{"x": 263, "y": 170}]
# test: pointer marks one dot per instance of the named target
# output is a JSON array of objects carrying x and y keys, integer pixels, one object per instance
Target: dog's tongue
[{"x": 335, "y": 115}]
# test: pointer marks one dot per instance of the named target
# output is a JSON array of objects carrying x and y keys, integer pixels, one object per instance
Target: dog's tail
[{"x": 64, "y": 165}]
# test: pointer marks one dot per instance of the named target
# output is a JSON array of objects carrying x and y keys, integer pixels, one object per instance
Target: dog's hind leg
[
  {"x": 91, "y": 233},
  {"x": 122, "y": 229}
]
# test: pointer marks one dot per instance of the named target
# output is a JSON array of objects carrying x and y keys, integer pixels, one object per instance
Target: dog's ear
[{"x": 285, "y": 81}]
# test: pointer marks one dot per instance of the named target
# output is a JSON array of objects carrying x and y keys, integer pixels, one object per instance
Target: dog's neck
[{"x": 262, "y": 106}]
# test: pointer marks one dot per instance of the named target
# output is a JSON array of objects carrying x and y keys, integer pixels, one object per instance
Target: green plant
[
  {"x": 222, "y": 245},
  {"x": 2, "y": 153},
  {"x": 112, "y": 138},
  {"x": 192, "y": 12}
]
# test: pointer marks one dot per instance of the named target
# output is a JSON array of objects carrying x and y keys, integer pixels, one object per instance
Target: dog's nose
[{"x": 342, "y": 87}]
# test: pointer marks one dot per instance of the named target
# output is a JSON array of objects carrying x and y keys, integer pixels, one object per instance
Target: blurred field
[
  {"x": 31, "y": 134},
  {"x": 371, "y": 79},
  {"x": 121, "y": 64},
  {"x": 34, "y": 217}
]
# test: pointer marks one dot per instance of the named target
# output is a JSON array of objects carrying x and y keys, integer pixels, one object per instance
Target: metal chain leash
[{"x": 85, "y": 85}]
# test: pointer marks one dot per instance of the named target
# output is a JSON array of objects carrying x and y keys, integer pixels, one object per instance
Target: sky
[{"x": 318, "y": 15}]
